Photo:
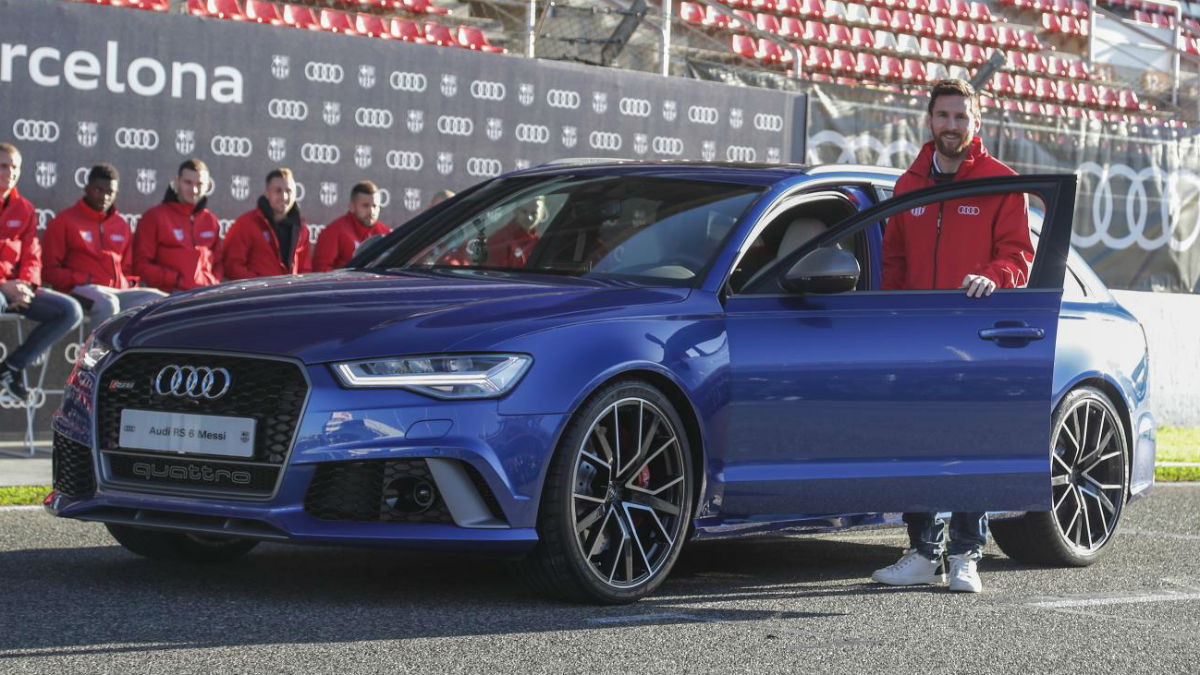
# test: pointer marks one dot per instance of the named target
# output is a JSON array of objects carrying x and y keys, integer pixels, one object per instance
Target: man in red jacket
[
  {"x": 270, "y": 239},
  {"x": 978, "y": 244},
  {"x": 88, "y": 250},
  {"x": 20, "y": 276},
  {"x": 175, "y": 247},
  {"x": 338, "y": 240}
]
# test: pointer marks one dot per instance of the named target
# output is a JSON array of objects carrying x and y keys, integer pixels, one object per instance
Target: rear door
[{"x": 869, "y": 401}]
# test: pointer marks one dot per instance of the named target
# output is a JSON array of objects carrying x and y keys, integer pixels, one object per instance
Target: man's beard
[{"x": 952, "y": 151}]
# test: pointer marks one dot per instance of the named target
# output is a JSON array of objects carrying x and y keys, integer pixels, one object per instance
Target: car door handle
[{"x": 1012, "y": 333}]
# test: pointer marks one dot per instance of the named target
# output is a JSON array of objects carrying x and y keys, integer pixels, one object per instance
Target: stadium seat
[
  {"x": 690, "y": 12},
  {"x": 715, "y": 19},
  {"x": 791, "y": 28},
  {"x": 818, "y": 58},
  {"x": 1028, "y": 41},
  {"x": 405, "y": 30},
  {"x": 973, "y": 55},
  {"x": 1068, "y": 92},
  {"x": 336, "y": 21},
  {"x": 908, "y": 44},
  {"x": 980, "y": 13},
  {"x": 1086, "y": 95},
  {"x": 986, "y": 35},
  {"x": 1058, "y": 67},
  {"x": 1045, "y": 89},
  {"x": 371, "y": 25},
  {"x": 960, "y": 10},
  {"x": 768, "y": 23},
  {"x": 812, "y": 9},
  {"x": 1078, "y": 70},
  {"x": 816, "y": 33},
  {"x": 226, "y": 9},
  {"x": 843, "y": 62},
  {"x": 440, "y": 35},
  {"x": 835, "y": 10},
  {"x": 1036, "y": 64},
  {"x": 935, "y": 72},
  {"x": 890, "y": 68},
  {"x": 914, "y": 71},
  {"x": 1006, "y": 38},
  {"x": 964, "y": 32},
  {"x": 885, "y": 41},
  {"x": 788, "y": 7},
  {"x": 747, "y": 20},
  {"x": 839, "y": 35},
  {"x": 939, "y": 7},
  {"x": 1050, "y": 23},
  {"x": 768, "y": 51},
  {"x": 152, "y": 5},
  {"x": 862, "y": 38},
  {"x": 744, "y": 46},
  {"x": 857, "y": 15},
  {"x": 902, "y": 21},
  {"x": 1128, "y": 100},
  {"x": 197, "y": 7},
  {"x": 952, "y": 51},
  {"x": 300, "y": 17},
  {"x": 866, "y": 65},
  {"x": 880, "y": 17},
  {"x": 960, "y": 73},
  {"x": 259, "y": 11},
  {"x": 1002, "y": 83},
  {"x": 923, "y": 25},
  {"x": 1017, "y": 61},
  {"x": 423, "y": 7},
  {"x": 1023, "y": 87},
  {"x": 762, "y": 5},
  {"x": 931, "y": 48},
  {"x": 943, "y": 28},
  {"x": 921, "y": 6}
]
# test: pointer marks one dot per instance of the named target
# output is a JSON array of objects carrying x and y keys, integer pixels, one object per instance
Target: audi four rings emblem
[
  {"x": 36, "y": 130},
  {"x": 605, "y": 140},
  {"x": 375, "y": 118},
  {"x": 332, "y": 73},
  {"x": 766, "y": 122},
  {"x": 402, "y": 160},
  {"x": 455, "y": 126},
  {"x": 666, "y": 145},
  {"x": 562, "y": 98},
  {"x": 192, "y": 382},
  {"x": 968, "y": 210},
  {"x": 635, "y": 107},
  {"x": 740, "y": 153},
  {"x": 533, "y": 133},
  {"x": 703, "y": 114},
  {"x": 136, "y": 139},
  {"x": 287, "y": 109},
  {"x": 405, "y": 81},
  {"x": 320, "y": 153},
  {"x": 1138, "y": 208},
  {"x": 481, "y": 166},
  {"x": 231, "y": 146},
  {"x": 488, "y": 91}
]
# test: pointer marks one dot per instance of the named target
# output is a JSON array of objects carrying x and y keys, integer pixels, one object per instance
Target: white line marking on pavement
[
  {"x": 648, "y": 618},
  {"x": 28, "y": 507},
  {"x": 1168, "y": 535},
  {"x": 1121, "y": 600}
]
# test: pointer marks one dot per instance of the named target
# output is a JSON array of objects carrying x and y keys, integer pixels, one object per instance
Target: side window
[
  {"x": 1073, "y": 289},
  {"x": 786, "y": 233}
]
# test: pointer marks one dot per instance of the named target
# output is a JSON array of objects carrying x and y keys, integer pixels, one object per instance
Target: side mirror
[{"x": 823, "y": 270}]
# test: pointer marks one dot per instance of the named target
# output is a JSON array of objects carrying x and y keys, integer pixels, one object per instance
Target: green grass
[
  {"x": 22, "y": 495},
  {"x": 1178, "y": 444}
]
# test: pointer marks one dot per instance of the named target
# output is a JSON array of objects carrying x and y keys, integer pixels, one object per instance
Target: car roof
[{"x": 758, "y": 174}]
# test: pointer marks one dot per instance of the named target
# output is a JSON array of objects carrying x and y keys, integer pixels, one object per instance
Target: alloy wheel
[{"x": 1087, "y": 475}]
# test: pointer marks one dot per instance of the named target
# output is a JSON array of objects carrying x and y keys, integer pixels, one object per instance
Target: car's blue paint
[{"x": 758, "y": 379}]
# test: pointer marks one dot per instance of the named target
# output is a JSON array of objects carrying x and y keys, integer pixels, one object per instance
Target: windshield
[{"x": 649, "y": 230}]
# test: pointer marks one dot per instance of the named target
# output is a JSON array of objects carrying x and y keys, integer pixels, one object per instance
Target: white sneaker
[
  {"x": 912, "y": 569},
  {"x": 964, "y": 577}
]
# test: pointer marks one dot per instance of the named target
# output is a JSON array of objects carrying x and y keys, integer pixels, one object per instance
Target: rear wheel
[
  {"x": 180, "y": 546},
  {"x": 1089, "y": 475},
  {"x": 617, "y": 500}
]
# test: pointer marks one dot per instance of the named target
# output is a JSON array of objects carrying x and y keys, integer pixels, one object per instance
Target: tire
[
  {"x": 1089, "y": 483},
  {"x": 179, "y": 546},
  {"x": 610, "y": 527}
]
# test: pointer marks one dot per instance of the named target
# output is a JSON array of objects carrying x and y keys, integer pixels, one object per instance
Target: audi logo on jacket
[
  {"x": 338, "y": 240},
  {"x": 251, "y": 248},
  {"x": 176, "y": 246},
  {"x": 85, "y": 246},
  {"x": 20, "y": 250},
  {"x": 987, "y": 235}
]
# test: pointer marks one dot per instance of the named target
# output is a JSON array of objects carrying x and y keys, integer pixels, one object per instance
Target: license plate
[{"x": 187, "y": 434}]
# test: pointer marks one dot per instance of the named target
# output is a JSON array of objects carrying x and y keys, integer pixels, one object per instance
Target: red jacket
[
  {"x": 508, "y": 246},
  {"x": 251, "y": 248},
  {"x": 20, "y": 250},
  {"x": 988, "y": 235},
  {"x": 338, "y": 240},
  {"x": 175, "y": 247},
  {"x": 84, "y": 246}
]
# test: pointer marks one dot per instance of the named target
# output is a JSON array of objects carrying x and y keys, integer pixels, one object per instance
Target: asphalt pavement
[{"x": 72, "y": 601}]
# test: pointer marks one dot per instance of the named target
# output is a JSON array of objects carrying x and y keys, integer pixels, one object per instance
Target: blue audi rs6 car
[{"x": 585, "y": 366}]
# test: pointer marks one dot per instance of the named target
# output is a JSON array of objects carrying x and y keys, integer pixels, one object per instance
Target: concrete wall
[{"x": 1172, "y": 323}]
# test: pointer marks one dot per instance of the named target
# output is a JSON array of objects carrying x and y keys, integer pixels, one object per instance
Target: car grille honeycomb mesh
[
  {"x": 74, "y": 473},
  {"x": 361, "y": 491}
]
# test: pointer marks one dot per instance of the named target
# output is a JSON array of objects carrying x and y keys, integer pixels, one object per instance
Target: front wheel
[
  {"x": 617, "y": 500},
  {"x": 1089, "y": 476},
  {"x": 186, "y": 547}
]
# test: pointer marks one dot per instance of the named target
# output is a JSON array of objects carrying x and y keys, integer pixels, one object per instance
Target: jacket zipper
[{"x": 936, "y": 244}]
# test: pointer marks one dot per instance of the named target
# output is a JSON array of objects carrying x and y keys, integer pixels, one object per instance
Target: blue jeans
[
  {"x": 56, "y": 314},
  {"x": 927, "y": 534}
]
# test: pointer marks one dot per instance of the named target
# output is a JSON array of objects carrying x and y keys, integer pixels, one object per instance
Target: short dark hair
[
  {"x": 192, "y": 164},
  {"x": 364, "y": 188},
  {"x": 10, "y": 149},
  {"x": 282, "y": 172},
  {"x": 955, "y": 87},
  {"x": 103, "y": 171}
]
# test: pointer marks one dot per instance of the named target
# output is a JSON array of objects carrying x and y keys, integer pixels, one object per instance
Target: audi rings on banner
[
  {"x": 1143, "y": 184},
  {"x": 320, "y": 153},
  {"x": 484, "y": 167},
  {"x": 403, "y": 160},
  {"x": 740, "y": 153},
  {"x": 703, "y": 114},
  {"x": 533, "y": 133},
  {"x": 375, "y": 118},
  {"x": 287, "y": 109},
  {"x": 488, "y": 91},
  {"x": 129, "y": 138},
  {"x": 562, "y": 98},
  {"x": 196, "y": 382},
  {"x": 768, "y": 122},
  {"x": 405, "y": 81},
  {"x": 605, "y": 140},
  {"x": 329, "y": 73},
  {"x": 635, "y": 107},
  {"x": 667, "y": 145},
  {"x": 41, "y": 131},
  {"x": 455, "y": 126},
  {"x": 231, "y": 146}
]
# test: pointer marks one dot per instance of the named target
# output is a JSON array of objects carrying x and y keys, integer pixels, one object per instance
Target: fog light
[{"x": 409, "y": 495}]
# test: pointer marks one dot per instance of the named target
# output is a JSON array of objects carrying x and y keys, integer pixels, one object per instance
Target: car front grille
[
  {"x": 269, "y": 391},
  {"x": 373, "y": 491},
  {"x": 74, "y": 474}
]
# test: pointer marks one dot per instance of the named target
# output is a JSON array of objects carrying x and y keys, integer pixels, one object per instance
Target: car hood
[{"x": 354, "y": 314}]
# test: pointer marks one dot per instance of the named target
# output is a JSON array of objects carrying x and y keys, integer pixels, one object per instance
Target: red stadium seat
[
  {"x": 902, "y": 21},
  {"x": 1075, "y": 113},
  {"x": 152, "y": 5},
  {"x": 1086, "y": 96},
  {"x": 885, "y": 41},
  {"x": 931, "y": 48},
  {"x": 226, "y": 9},
  {"x": 690, "y": 12},
  {"x": 197, "y": 7},
  {"x": 1023, "y": 87},
  {"x": 1036, "y": 64},
  {"x": 980, "y": 13},
  {"x": 715, "y": 18},
  {"x": 1106, "y": 97},
  {"x": 768, "y": 23},
  {"x": 1002, "y": 83},
  {"x": 921, "y": 6},
  {"x": 890, "y": 68},
  {"x": 1067, "y": 92},
  {"x": 952, "y": 51},
  {"x": 964, "y": 32},
  {"x": 371, "y": 25},
  {"x": 1051, "y": 24},
  {"x": 973, "y": 55},
  {"x": 1017, "y": 61},
  {"x": 839, "y": 35},
  {"x": 923, "y": 25},
  {"x": 1060, "y": 7},
  {"x": 1079, "y": 9},
  {"x": 259, "y": 11},
  {"x": 1059, "y": 67},
  {"x": 762, "y": 5},
  {"x": 943, "y": 27},
  {"x": 423, "y": 7},
  {"x": 1078, "y": 70},
  {"x": 1128, "y": 100},
  {"x": 818, "y": 58},
  {"x": 791, "y": 28},
  {"x": 813, "y": 9},
  {"x": 440, "y": 35},
  {"x": 816, "y": 32},
  {"x": 914, "y": 71},
  {"x": 768, "y": 51},
  {"x": 788, "y": 7},
  {"x": 881, "y": 17},
  {"x": 862, "y": 38},
  {"x": 336, "y": 21},
  {"x": 406, "y": 30},
  {"x": 935, "y": 72},
  {"x": 960, "y": 10},
  {"x": 744, "y": 46},
  {"x": 1046, "y": 89},
  {"x": 939, "y": 7},
  {"x": 1006, "y": 38},
  {"x": 473, "y": 38},
  {"x": 1028, "y": 40},
  {"x": 867, "y": 65},
  {"x": 300, "y": 17},
  {"x": 747, "y": 20},
  {"x": 986, "y": 35},
  {"x": 843, "y": 62}
]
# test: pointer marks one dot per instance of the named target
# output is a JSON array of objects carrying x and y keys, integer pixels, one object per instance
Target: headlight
[
  {"x": 454, "y": 377},
  {"x": 103, "y": 340}
]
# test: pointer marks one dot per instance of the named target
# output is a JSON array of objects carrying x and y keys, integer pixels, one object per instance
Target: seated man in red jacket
[
  {"x": 175, "y": 246},
  {"x": 270, "y": 239},
  {"x": 20, "y": 275},
  {"x": 88, "y": 251},
  {"x": 338, "y": 240}
]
